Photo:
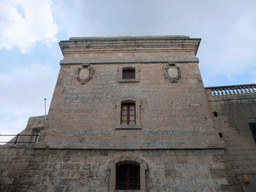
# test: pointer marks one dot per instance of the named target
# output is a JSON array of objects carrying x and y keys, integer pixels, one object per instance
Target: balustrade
[{"x": 233, "y": 90}]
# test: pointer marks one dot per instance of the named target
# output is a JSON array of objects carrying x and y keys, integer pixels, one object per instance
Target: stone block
[
  {"x": 232, "y": 180},
  {"x": 53, "y": 173},
  {"x": 86, "y": 166},
  {"x": 201, "y": 182},
  {"x": 63, "y": 173},
  {"x": 33, "y": 166},
  {"x": 96, "y": 182},
  {"x": 43, "y": 165},
  {"x": 181, "y": 159},
  {"x": 50, "y": 165},
  {"x": 6, "y": 180},
  {"x": 57, "y": 166},
  {"x": 35, "y": 180},
  {"x": 169, "y": 166},
  {"x": 77, "y": 166},
  {"x": 45, "y": 173},
  {"x": 221, "y": 173},
  {"x": 82, "y": 173},
  {"x": 55, "y": 181},
  {"x": 175, "y": 182},
  {"x": 42, "y": 188},
  {"x": 170, "y": 174},
  {"x": 14, "y": 166},
  {"x": 73, "y": 188},
  {"x": 68, "y": 181},
  {"x": 219, "y": 158},
  {"x": 68, "y": 166},
  {"x": 58, "y": 189},
  {"x": 45, "y": 181}
]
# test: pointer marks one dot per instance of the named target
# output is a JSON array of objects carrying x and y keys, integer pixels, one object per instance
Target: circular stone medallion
[
  {"x": 84, "y": 74},
  {"x": 173, "y": 72}
]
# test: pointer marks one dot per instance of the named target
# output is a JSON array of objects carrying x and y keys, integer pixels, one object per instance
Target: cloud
[
  {"x": 238, "y": 50},
  {"x": 25, "y": 22},
  {"x": 229, "y": 42},
  {"x": 22, "y": 95},
  {"x": 227, "y": 28}
]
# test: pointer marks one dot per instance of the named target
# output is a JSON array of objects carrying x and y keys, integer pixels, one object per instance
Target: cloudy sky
[{"x": 31, "y": 29}]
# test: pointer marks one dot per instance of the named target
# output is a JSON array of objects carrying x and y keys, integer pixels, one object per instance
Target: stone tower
[
  {"x": 127, "y": 113},
  {"x": 136, "y": 101}
]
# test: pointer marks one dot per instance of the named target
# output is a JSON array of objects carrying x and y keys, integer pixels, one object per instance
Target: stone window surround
[
  {"x": 128, "y": 66},
  {"x": 112, "y": 168},
  {"x": 118, "y": 124}
]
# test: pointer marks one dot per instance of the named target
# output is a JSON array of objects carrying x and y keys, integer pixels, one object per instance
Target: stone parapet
[{"x": 231, "y": 92}]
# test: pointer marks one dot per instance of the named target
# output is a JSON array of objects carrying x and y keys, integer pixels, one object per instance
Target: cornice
[
  {"x": 132, "y": 60},
  {"x": 129, "y": 44}
]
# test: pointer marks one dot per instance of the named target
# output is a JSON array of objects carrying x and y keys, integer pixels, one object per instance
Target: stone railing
[{"x": 232, "y": 90}]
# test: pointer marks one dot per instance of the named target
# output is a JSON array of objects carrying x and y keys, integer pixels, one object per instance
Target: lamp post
[{"x": 45, "y": 110}]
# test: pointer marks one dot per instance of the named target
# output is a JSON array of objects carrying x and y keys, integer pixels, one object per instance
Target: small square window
[{"x": 128, "y": 74}]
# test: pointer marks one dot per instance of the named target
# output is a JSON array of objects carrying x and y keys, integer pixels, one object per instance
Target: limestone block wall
[
  {"x": 233, "y": 109},
  {"x": 28, "y": 169},
  {"x": 169, "y": 114}
]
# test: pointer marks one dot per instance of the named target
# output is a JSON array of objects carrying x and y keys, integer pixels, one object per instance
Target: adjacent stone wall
[
  {"x": 27, "y": 169},
  {"x": 233, "y": 110}
]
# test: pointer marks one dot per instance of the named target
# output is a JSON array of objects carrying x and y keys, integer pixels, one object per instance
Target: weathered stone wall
[
  {"x": 174, "y": 141},
  {"x": 171, "y": 115},
  {"x": 28, "y": 169},
  {"x": 232, "y": 122},
  {"x": 129, "y": 47}
]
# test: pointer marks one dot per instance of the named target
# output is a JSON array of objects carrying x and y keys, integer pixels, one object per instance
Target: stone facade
[{"x": 177, "y": 142}]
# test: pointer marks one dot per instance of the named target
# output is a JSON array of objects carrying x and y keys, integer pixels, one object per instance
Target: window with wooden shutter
[{"x": 128, "y": 115}]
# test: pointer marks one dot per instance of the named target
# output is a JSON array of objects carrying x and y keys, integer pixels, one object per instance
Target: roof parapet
[{"x": 232, "y": 89}]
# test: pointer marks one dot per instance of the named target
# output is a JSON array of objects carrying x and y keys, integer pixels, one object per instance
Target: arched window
[
  {"x": 128, "y": 113},
  {"x": 128, "y": 73},
  {"x": 127, "y": 176}
]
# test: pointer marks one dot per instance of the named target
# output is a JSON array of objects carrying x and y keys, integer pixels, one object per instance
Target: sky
[{"x": 31, "y": 29}]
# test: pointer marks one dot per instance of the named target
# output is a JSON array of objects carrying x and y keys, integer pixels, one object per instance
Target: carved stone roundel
[
  {"x": 84, "y": 73},
  {"x": 173, "y": 72}
]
